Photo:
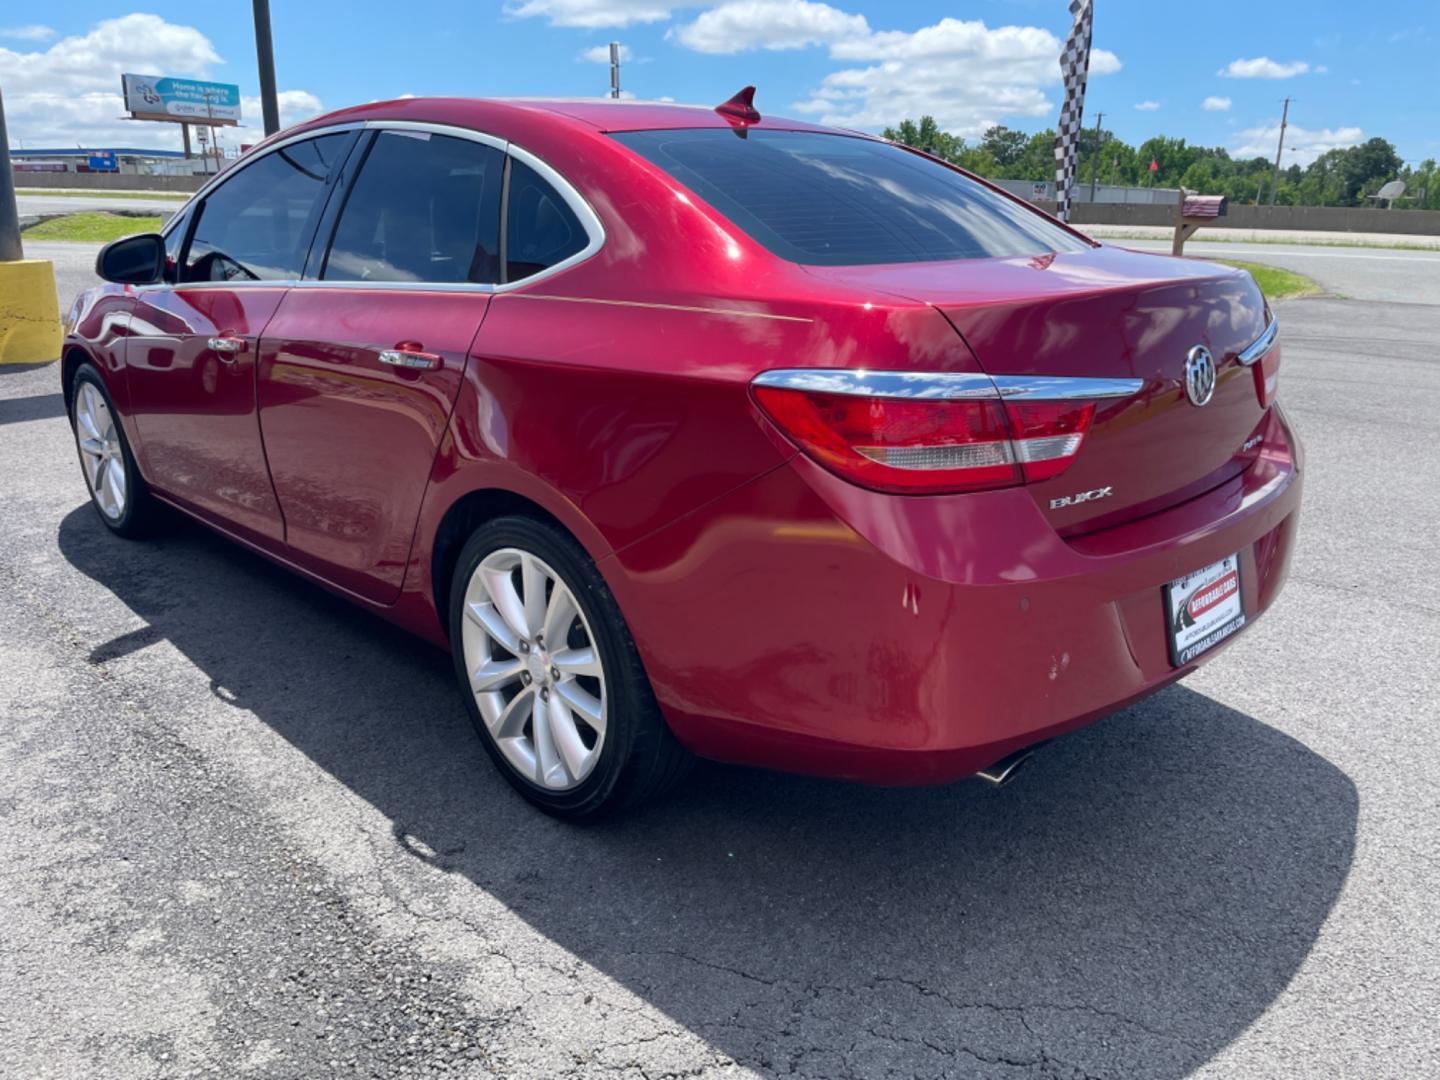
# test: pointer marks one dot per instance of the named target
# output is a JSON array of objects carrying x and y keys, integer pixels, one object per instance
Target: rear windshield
[{"x": 838, "y": 200}]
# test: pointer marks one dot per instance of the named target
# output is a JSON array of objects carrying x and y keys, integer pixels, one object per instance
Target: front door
[
  {"x": 195, "y": 339},
  {"x": 360, "y": 367}
]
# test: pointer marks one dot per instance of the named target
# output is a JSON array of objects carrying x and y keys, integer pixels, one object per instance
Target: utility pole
[
  {"x": 10, "y": 249},
  {"x": 1095, "y": 154},
  {"x": 614, "y": 69},
  {"x": 1275, "y": 180},
  {"x": 265, "y": 56}
]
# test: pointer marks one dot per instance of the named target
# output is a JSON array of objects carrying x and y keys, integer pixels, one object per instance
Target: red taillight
[{"x": 925, "y": 446}]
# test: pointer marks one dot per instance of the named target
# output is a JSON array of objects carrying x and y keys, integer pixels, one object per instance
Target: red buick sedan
[{"x": 689, "y": 431}]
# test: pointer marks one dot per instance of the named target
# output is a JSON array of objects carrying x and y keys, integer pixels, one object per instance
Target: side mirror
[{"x": 133, "y": 260}]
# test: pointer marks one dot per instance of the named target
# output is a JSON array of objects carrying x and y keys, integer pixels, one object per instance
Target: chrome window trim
[
  {"x": 584, "y": 212},
  {"x": 947, "y": 386},
  {"x": 1261, "y": 345}
]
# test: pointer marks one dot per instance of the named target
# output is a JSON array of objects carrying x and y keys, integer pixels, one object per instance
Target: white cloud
[
  {"x": 1148, "y": 106},
  {"x": 740, "y": 25},
  {"x": 600, "y": 54},
  {"x": 1216, "y": 104},
  {"x": 1302, "y": 146},
  {"x": 27, "y": 33},
  {"x": 69, "y": 93},
  {"x": 594, "y": 13},
  {"x": 964, "y": 73},
  {"x": 1262, "y": 67}
]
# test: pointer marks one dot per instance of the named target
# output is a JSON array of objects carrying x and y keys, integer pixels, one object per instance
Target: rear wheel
[
  {"x": 551, "y": 675},
  {"x": 117, "y": 490}
]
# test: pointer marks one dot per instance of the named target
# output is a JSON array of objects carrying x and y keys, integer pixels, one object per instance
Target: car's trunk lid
[{"x": 1109, "y": 313}]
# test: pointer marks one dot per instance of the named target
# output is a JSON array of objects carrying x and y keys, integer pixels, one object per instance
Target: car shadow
[
  {"x": 35, "y": 407},
  {"x": 1127, "y": 907}
]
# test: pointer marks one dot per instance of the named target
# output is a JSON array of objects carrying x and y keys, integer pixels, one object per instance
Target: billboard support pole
[
  {"x": 265, "y": 56},
  {"x": 185, "y": 128},
  {"x": 10, "y": 249}
]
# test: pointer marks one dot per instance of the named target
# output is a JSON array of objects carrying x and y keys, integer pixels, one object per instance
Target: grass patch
[
  {"x": 1275, "y": 283},
  {"x": 82, "y": 193},
  {"x": 94, "y": 228}
]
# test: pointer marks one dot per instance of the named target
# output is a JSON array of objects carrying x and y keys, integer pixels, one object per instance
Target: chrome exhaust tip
[{"x": 1003, "y": 771}]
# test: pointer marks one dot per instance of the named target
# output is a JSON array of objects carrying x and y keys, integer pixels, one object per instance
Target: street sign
[{"x": 184, "y": 101}]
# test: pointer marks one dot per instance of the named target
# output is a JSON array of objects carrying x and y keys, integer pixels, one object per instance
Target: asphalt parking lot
[{"x": 246, "y": 830}]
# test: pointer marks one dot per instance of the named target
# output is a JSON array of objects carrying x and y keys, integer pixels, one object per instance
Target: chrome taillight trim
[
  {"x": 1261, "y": 345},
  {"x": 947, "y": 385}
]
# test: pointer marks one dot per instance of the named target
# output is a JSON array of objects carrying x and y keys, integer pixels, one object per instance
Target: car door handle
[
  {"x": 413, "y": 359},
  {"x": 227, "y": 345}
]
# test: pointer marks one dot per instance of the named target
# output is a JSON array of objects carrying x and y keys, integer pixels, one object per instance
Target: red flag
[{"x": 1154, "y": 165}]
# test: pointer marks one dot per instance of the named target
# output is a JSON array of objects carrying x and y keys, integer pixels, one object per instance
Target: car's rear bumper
[{"x": 805, "y": 624}]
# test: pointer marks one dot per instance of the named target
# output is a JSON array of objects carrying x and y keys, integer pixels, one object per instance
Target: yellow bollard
[{"x": 29, "y": 312}]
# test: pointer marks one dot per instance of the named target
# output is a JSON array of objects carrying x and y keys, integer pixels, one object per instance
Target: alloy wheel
[
  {"x": 534, "y": 669},
  {"x": 101, "y": 453}
]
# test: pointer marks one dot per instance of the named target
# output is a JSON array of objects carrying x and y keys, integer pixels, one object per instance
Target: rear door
[
  {"x": 194, "y": 338},
  {"x": 361, "y": 364}
]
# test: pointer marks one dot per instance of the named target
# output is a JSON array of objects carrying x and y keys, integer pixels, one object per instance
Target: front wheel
[
  {"x": 117, "y": 491},
  {"x": 551, "y": 676}
]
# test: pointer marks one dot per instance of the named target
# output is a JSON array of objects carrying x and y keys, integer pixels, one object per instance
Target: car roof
[{"x": 599, "y": 114}]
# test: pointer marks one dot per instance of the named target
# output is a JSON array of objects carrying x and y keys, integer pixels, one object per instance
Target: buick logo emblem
[{"x": 1199, "y": 376}]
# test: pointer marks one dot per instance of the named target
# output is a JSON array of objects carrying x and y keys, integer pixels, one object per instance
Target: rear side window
[
  {"x": 256, "y": 226},
  {"x": 541, "y": 229},
  {"x": 425, "y": 208},
  {"x": 837, "y": 200}
]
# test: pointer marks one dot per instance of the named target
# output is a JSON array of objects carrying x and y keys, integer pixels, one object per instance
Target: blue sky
[{"x": 1354, "y": 72}]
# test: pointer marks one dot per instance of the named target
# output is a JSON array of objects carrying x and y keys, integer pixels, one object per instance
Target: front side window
[
  {"x": 256, "y": 225},
  {"x": 839, "y": 200},
  {"x": 541, "y": 229},
  {"x": 425, "y": 208}
]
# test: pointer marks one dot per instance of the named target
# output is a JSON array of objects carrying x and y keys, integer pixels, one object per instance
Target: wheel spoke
[
  {"x": 577, "y": 662},
  {"x": 84, "y": 411},
  {"x": 532, "y": 581},
  {"x": 116, "y": 475},
  {"x": 489, "y": 619},
  {"x": 507, "y": 601},
  {"x": 495, "y": 674},
  {"x": 91, "y": 445},
  {"x": 586, "y": 704},
  {"x": 547, "y": 761},
  {"x": 104, "y": 493},
  {"x": 511, "y": 720},
  {"x": 559, "y": 615},
  {"x": 567, "y": 737}
]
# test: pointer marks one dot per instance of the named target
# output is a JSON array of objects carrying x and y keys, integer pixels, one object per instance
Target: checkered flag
[{"x": 1074, "y": 69}]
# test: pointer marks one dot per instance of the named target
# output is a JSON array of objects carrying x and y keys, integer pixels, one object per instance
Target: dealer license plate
[{"x": 1203, "y": 609}]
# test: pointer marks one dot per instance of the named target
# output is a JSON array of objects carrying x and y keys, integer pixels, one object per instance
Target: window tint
[
  {"x": 424, "y": 208},
  {"x": 256, "y": 225},
  {"x": 542, "y": 230},
  {"x": 836, "y": 200}
]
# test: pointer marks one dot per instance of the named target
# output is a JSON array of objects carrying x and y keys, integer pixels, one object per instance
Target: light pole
[
  {"x": 265, "y": 57},
  {"x": 614, "y": 69},
  {"x": 1279, "y": 149}
]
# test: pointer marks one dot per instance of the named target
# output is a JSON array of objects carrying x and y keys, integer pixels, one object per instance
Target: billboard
[{"x": 186, "y": 101}]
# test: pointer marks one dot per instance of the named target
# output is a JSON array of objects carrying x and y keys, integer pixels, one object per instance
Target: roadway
[
  {"x": 247, "y": 830},
  {"x": 84, "y": 202},
  {"x": 1383, "y": 274}
]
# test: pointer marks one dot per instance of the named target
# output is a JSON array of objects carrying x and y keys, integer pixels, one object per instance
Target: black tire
[
  {"x": 639, "y": 759},
  {"x": 140, "y": 513}
]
